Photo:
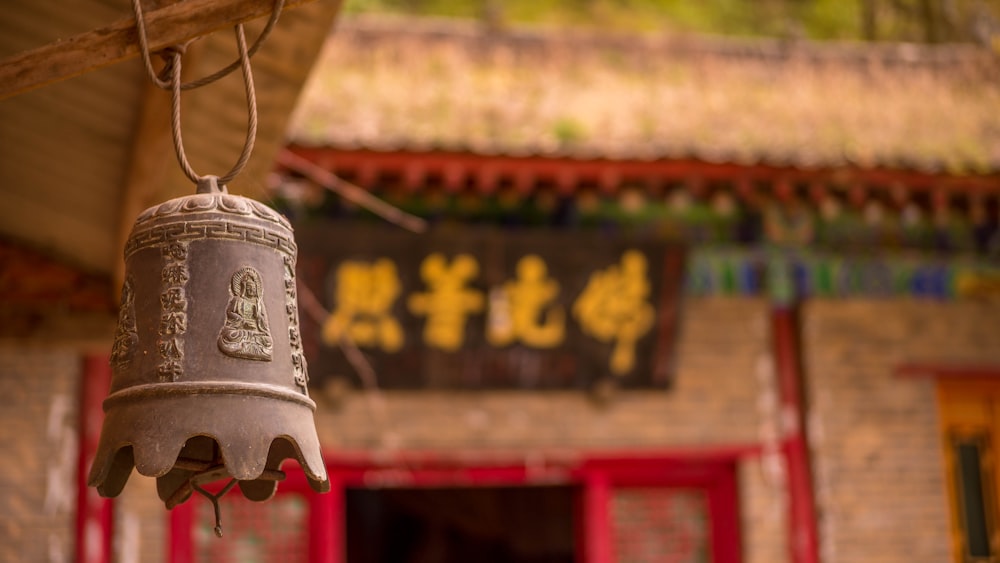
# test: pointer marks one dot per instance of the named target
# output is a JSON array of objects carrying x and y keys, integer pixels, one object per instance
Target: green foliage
[
  {"x": 911, "y": 20},
  {"x": 568, "y": 131}
]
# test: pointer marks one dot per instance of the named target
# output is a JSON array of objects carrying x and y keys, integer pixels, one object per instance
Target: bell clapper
[
  {"x": 206, "y": 472},
  {"x": 214, "y": 499},
  {"x": 211, "y": 475}
]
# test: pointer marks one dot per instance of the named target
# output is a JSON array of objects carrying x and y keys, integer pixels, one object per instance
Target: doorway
[{"x": 514, "y": 524}]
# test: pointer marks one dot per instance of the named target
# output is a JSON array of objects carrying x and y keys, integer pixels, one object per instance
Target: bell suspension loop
[{"x": 210, "y": 185}]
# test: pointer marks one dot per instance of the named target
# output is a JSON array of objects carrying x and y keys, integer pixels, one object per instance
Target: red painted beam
[
  {"x": 802, "y": 531},
  {"x": 607, "y": 174},
  {"x": 559, "y": 458},
  {"x": 94, "y": 515}
]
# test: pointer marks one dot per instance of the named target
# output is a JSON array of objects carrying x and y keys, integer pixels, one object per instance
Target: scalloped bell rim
[{"x": 252, "y": 434}]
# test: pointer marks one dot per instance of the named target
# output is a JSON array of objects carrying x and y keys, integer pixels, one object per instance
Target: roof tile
[{"x": 410, "y": 85}]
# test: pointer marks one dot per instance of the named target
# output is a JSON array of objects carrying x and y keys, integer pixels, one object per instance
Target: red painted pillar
[
  {"x": 327, "y": 543},
  {"x": 802, "y": 532},
  {"x": 94, "y": 515},
  {"x": 724, "y": 511},
  {"x": 180, "y": 543},
  {"x": 597, "y": 539}
]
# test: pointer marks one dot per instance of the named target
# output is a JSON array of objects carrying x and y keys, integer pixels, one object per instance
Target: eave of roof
[
  {"x": 411, "y": 86},
  {"x": 74, "y": 154}
]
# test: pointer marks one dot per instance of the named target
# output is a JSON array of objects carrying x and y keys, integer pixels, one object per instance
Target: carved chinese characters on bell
[
  {"x": 175, "y": 274},
  {"x": 245, "y": 333},
  {"x": 294, "y": 340},
  {"x": 173, "y": 311},
  {"x": 126, "y": 336}
]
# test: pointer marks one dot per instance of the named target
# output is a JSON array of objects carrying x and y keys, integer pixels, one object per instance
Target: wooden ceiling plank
[
  {"x": 33, "y": 132},
  {"x": 102, "y": 123},
  {"x": 68, "y": 236},
  {"x": 169, "y": 25},
  {"x": 80, "y": 195}
]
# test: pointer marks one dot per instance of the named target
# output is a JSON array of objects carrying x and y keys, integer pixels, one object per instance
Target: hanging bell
[{"x": 208, "y": 374}]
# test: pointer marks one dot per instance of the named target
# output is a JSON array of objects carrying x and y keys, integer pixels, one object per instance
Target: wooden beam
[
  {"x": 350, "y": 192},
  {"x": 168, "y": 25}
]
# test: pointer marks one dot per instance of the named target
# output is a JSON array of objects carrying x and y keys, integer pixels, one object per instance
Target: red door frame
[
  {"x": 597, "y": 475},
  {"x": 93, "y": 513},
  {"x": 716, "y": 477}
]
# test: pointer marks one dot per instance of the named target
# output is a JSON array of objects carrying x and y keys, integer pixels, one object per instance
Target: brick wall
[
  {"x": 39, "y": 419},
  {"x": 762, "y": 512},
  {"x": 38, "y": 438},
  {"x": 875, "y": 437},
  {"x": 713, "y": 401},
  {"x": 141, "y": 523}
]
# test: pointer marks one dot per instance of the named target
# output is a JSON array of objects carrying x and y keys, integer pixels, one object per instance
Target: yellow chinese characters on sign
[
  {"x": 364, "y": 296},
  {"x": 518, "y": 307},
  {"x": 612, "y": 308},
  {"x": 448, "y": 301},
  {"x": 464, "y": 307}
]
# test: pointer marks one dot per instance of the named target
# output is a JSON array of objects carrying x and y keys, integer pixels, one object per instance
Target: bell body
[{"x": 208, "y": 374}]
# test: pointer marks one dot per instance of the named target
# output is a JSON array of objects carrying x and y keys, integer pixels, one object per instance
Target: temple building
[{"x": 589, "y": 298}]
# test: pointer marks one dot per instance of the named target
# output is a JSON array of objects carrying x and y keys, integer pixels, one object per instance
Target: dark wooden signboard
[{"x": 474, "y": 308}]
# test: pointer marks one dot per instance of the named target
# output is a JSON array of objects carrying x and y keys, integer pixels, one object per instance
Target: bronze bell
[{"x": 208, "y": 375}]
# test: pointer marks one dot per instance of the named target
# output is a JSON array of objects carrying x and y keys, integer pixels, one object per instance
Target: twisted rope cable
[
  {"x": 173, "y": 57},
  {"x": 160, "y": 82}
]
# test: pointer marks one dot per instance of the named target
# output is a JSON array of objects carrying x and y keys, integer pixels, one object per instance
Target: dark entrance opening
[{"x": 460, "y": 525}]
